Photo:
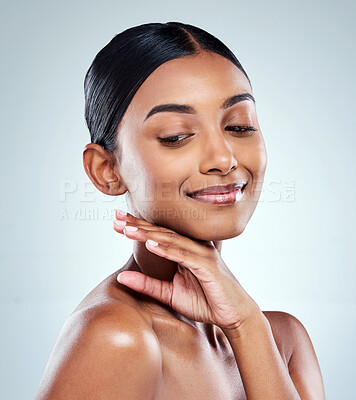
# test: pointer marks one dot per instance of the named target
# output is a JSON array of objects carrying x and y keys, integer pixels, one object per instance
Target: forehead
[{"x": 205, "y": 78}]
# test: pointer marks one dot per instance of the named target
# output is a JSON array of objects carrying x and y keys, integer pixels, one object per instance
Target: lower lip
[{"x": 220, "y": 198}]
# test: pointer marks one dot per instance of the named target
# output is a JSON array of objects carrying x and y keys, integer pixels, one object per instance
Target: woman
[{"x": 173, "y": 126}]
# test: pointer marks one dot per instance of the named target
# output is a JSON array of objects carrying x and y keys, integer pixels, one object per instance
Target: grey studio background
[{"x": 57, "y": 241}]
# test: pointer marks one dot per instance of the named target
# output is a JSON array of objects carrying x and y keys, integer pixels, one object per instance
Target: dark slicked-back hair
[{"x": 120, "y": 68}]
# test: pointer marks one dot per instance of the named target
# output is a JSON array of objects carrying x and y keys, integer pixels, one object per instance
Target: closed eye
[
  {"x": 177, "y": 139},
  {"x": 242, "y": 130},
  {"x": 173, "y": 140}
]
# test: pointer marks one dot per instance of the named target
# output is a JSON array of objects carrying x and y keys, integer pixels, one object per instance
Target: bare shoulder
[
  {"x": 106, "y": 351},
  {"x": 295, "y": 345},
  {"x": 287, "y": 330}
]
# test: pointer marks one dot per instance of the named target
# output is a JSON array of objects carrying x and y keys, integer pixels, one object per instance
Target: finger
[
  {"x": 167, "y": 238},
  {"x": 201, "y": 267},
  {"x": 132, "y": 220},
  {"x": 121, "y": 215},
  {"x": 119, "y": 226},
  {"x": 124, "y": 219},
  {"x": 159, "y": 290}
]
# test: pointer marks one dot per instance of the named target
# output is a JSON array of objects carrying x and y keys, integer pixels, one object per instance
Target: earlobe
[{"x": 99, "y": 164}]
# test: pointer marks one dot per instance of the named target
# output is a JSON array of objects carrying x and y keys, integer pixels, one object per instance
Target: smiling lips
[{"x": 227, "y": 194}]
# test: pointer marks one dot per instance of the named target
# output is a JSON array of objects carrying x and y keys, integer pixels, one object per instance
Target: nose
[{"x": 218, "y": 156}]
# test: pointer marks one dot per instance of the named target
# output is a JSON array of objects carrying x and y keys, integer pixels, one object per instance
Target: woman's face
[{"x": 203, "y": 152}]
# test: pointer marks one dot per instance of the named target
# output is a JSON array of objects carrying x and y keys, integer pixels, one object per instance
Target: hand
[{"x": 203, "y": 288}]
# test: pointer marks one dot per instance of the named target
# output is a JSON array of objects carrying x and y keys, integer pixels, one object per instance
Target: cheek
[
  {"x": 253, "y": 157},
  {"x": 260, "y": 159},
  {"x": 151, "y": 178},
  {"x": 256, "y": 163}
]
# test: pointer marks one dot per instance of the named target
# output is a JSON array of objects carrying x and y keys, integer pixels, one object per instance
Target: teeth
[
  {"x": 238, "y": 195},
  {"x": 223, "y": 191},
  {"x": 239, "y": 188}
]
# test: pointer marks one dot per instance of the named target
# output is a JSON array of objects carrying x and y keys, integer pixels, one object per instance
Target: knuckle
[
  {"x": 161, "y": 229},
  {"x": 210, "y": 254},
  {"x": 183, "y": 251},
  {"x": 171, "y": 234},
  {"x": 145, "y": 284}
]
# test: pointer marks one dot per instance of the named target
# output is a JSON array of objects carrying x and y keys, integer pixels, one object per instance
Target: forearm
[{"x": 261, "y": 367}]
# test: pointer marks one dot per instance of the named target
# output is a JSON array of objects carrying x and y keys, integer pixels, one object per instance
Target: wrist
[{"x": 253, "y": 322}]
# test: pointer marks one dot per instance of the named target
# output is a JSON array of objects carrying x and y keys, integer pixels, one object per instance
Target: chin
[
  {"x": 217, "y": 233},
  {"x": 201, "y": 226},
  {"x": 217, "y": 236}
]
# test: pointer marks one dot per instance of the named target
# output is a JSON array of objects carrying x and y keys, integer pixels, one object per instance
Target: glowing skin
[
  {"x": 155, "y": 176},
  {"x": 138, "y": 347}
]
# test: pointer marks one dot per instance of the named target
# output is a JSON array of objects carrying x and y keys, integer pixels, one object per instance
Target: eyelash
[{"x": 168, "y": 141}]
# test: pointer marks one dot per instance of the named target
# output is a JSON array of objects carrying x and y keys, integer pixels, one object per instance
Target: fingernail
[
  {"x": 131, "y": 228},
  {"x": 119, "y": 223},
  {"x": 152, "y": 242},
  {"x": 120, "y": 212}
]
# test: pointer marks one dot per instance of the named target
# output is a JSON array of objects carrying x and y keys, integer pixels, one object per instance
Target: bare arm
[
  {"x": 112, "y": 355},
  {"x": 262, "y": 369},
  {"x": 303, "y": 366}
]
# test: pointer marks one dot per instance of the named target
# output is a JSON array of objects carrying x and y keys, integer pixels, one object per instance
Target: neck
[
  {"x": 160, "y": 268},
  {"x": 155, "y": 266}
]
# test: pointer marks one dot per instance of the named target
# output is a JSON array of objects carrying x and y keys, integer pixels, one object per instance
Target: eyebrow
[{"x": 185, "y": 109}]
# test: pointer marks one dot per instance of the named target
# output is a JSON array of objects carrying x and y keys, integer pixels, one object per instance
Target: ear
[{"x": 100, "y": 166}]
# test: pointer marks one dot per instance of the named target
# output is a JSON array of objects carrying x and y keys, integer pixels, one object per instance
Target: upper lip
[{"x": 219, "y": 189}]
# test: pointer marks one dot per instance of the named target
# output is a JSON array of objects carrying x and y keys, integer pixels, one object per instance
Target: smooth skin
[{"x": 179, "y": 325}]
